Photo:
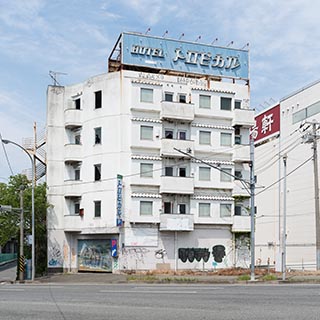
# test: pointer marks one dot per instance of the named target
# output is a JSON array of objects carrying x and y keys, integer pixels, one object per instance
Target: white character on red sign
[
  {"x": 266, "y": 123},
  {"x": 254, "y": 131}
]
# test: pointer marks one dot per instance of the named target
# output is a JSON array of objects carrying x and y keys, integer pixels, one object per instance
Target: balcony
[
  {"x": 72, "y": 223},
  {"x": 241, "y": 153},
  {"x": 73, "y": 188},
  {"x": 239, "y": 189},
  {"x": 168, "y": 145},
  {"x": 176, "y": 222},
  {"x": 176, "y": 185},
  {"x": 177, "y": 111},
  {"x": 243, "y": 117},
  {"x": 241, "y": 224},
  {"x": 72, "y": 118},
  {"x": 72, "y": 153}
]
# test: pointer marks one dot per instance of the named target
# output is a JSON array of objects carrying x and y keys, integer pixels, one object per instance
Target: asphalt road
[{"x": 131, "y": 301}]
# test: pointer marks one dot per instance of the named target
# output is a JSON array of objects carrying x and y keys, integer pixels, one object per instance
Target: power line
[{"x": 295, "y": 169}]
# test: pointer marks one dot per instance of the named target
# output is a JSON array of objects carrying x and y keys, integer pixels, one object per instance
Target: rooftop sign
[{"x": 167, "y": 54}]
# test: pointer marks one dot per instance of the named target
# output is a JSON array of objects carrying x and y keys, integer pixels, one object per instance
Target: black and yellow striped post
[{"x": 22, "y": 263}]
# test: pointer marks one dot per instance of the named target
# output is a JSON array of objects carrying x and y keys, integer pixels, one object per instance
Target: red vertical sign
[{"x": 267, "y": 124}]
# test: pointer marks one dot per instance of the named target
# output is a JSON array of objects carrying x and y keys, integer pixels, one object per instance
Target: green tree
[{"x": 9, "y": 221}]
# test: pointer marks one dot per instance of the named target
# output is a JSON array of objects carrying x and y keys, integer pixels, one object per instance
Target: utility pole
[
  {"x": 312, "y": 138},
  {"x": 316, "y": 192},
  {"x": 284, "y": 231},
  {"x": 252, "y": 209},
  {"x": 21, "y": 257}
]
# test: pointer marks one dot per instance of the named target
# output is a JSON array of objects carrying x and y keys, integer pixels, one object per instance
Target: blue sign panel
[
  {"x": 167, "y": 54},
  {"x": 119, "y": 201},
  {"x": 114, "y": 247}
]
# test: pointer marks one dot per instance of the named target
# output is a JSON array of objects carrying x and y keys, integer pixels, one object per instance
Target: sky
[{"x": 75, "y": 37}]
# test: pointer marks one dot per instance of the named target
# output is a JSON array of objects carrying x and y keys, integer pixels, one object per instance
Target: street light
[{"x": 32, "y": 205}]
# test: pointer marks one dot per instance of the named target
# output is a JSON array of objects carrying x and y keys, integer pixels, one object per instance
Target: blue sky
[{"x": 76, "y": 37}]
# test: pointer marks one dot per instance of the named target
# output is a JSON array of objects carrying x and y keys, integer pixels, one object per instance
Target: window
[
  {"x": 146, "y": 133},
  {"x": 168, "y": 171},
  {"x": 167, "y": 206},
  {"x": 97, "y": 135},
  {"x": 204, "y": 173},
  {"x": 77, "y": 139},
  {"x": 225, "y": 103},
  {"x": 225, "y": 210},
  {"x": 76, "y": 207},
  {"x": 237, "y": 104},
  {"x": 146, "y": 95},
  {"x": 226, "y": 177},
  {"x": 182, "y": 135},
  {"x": 182, "y": 207},
  {"x": 77, "y": 174},
  {"x": 97, "y": 209},
  {"x": 204, "y": 209},
  {"x": 168, "y": 134},
  {"x": 205, "y": 137},
  {"x": 238, "y": 174},
  {"x": 204, "y": 101},
  {"x": 168, "y": 96},
  {"x": 225, "y": 139},
  {"x": 97, "y": 172},
  {"x": 77, "y": 103},
  {"x": 146, "y": 170},
  {"x": 98, "y": 99},
  {"x": 182, "y": 172},
  {"x": 145, "y": 208},
  {"x": 182, "y": 98},
  {"x": 237, "y": 210},
  {"x": 237, "y": 139}
]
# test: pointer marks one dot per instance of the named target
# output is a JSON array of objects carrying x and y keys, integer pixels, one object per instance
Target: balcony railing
[
  {"x": 72, "y": 223},
  {"x": 241, "y": 153},
  {"x": 177, "y": 185},
  {"x": 241, "y": 224},
  {"x": 168, "y": 147},
  {"x": 177, "y": 111},
  {"x": 176, "y": 222},
  {"x": 72, "y": 118},
  {"x": 243, "y": 117},
  {"x": 72, "y": 152}
]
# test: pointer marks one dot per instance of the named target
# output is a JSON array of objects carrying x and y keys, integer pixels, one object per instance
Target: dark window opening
[
  {"x": 168, "y": 134},
  {"x": 97, "y": 172},
  {"x": 97, "y": 209},
  {"x": 168, "y": 171},
  {"x": 77, "y": 208},
  {"x": 77, "y": 174},
  {"x": 238, "y": 174},
  {"x": 225, "y": 103},
  {"x": 237, "y": 210},
  {"x": 182, "y": 135},
  {"x": 237, "y": 140},
  {"x": 182, "y": 208},
  {"x": 78, "y": 103},
  {"x": 167, "y": 207},
  {"x": 77, "y": 139},
  {"x": 168, "y": 97},
  {"x": 98, "y": 99},
  {"x": 237, "y": 105},
  {"x": 182, "y": 172},
  {"x": 97, "y": 133},
  {"x": 182, "y": 98}
]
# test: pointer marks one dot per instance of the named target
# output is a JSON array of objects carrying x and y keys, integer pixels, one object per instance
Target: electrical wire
[{"x": 292, "y": 171}]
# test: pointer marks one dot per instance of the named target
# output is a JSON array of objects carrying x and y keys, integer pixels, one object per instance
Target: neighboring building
[
  {"x": 284, "y": 134},
  {"x": 122, "y": 196}
]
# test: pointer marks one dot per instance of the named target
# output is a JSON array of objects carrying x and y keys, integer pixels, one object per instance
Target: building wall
[
  {"x": 71, "y": 218},
  {"x": 300, "y": 210}
]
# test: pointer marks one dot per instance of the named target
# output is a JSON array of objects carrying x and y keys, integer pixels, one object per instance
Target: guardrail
[{"x": 6, "y": 257}]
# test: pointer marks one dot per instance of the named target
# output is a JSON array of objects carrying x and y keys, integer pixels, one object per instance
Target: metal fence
[{"x": 5, "y": 257}]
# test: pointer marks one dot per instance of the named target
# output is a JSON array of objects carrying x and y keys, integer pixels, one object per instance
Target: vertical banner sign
[
  {"x": 114, "y": 248},
  {"x": 119, "y": 200}
]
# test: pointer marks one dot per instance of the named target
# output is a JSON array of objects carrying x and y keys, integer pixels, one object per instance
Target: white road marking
[{"x": 148, "y": 291}]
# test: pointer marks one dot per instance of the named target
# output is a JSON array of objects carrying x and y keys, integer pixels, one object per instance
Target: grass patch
[
  {"x": 142, "y": 278},
  {"x": 269, "y": 277},
  {"x": 244, "y": 277}
]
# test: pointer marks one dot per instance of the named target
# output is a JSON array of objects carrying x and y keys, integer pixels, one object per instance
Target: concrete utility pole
[
  {"x": 312, "y": 138},
  {"x": 252, "y": 210},
  {"x": 21, "y": 258},
  {"x": 284, "y": 231}
]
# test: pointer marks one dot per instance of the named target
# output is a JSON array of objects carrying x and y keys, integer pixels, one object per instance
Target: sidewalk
[{"x": 109, "y": 278}]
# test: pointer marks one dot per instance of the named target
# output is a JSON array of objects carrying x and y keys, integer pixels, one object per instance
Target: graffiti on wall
[
  {"x": 94, "y": 255},
  {"x": 133, "y": 254},
  {"x": 55, "y": 256},
  {"x": 198, "y": 254}
]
